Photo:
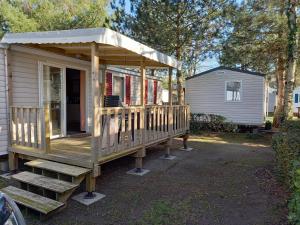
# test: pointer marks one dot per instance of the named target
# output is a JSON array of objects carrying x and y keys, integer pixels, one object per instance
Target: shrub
[
  {"x": 287, "y": 152},
  {"x": 294, "y": 203},
  {"x": 210, "y": 122},
  {"x": 268, "y": 125}
]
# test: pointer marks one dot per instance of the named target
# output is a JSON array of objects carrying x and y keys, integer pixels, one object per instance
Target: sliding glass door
[{"x": 52, "y": 78}]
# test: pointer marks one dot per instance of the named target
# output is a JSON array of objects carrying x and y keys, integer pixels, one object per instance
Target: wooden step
[
  {"x": 47, "y": 183},
  {"x": 33, "y": 201},
  {"x": 73, "y": 171}
]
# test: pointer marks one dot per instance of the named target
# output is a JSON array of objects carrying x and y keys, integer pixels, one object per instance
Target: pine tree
[
  {"x": 43, "y": 15},
  {"x": 185, "y": 29}
]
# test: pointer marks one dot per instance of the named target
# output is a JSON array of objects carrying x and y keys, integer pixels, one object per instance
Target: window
[
  {"x": 233, "y": 91},
  {"x": 118, "y": 87},
  {"x": 296, "y": 98}
]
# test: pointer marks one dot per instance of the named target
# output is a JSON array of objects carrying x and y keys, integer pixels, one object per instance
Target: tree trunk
[
  {"x": 179, "y": 80},
  {"x": 280, "y": 78},
  {"x": 291, "y": 59}
]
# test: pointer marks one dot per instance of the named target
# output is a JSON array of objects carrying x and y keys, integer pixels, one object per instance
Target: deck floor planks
[
  {"x": 47, "y": 183},
  {"x": 31, "y": 200}
]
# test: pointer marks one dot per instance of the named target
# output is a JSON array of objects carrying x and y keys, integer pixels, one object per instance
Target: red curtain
[
  {"x": 128, "y": 90},
  {"x": 155, "y": 92},
  {"x": 146, "y": 92},
  {"x": 108, "y": 84}
]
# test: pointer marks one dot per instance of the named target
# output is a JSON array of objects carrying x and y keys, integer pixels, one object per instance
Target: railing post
[
  {"x": 141, "y": 152},
  {"x": 96, "y": 116},
  {"x": 170, "y": 100},
  {"x": 46, "y": 131}
]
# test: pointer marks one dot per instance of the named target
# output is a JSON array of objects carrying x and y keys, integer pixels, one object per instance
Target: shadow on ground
[{"x": 216, "y": 183}]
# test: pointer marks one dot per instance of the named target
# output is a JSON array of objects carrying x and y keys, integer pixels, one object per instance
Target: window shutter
[
  {"x": 155, "y": 92},
  {"x": 108, "y": 84},
  {"x": 146, "y": 92},
  {"x": 296, "y": 98},
  {"x": 128, "y": 90}
]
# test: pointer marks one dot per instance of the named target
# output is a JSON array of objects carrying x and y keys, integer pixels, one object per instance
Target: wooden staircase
[{"x": 47, "y": 185}]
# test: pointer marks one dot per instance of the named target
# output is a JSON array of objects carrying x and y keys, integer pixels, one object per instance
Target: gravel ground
[{"x": 216, "y": 183}]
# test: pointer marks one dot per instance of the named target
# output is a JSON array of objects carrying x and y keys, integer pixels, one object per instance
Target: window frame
[
  {"x": 120, "y": 75},
  {"x": 241, "y": 91}
]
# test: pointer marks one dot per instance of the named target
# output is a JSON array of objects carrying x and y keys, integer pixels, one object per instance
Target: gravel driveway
[{"x": 217, "y": 183}]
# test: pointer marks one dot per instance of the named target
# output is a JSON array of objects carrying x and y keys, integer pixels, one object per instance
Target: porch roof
[{"x": 114, "y": 48}]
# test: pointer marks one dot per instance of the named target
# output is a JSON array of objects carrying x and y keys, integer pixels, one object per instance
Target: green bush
[
  {"x": 210, "y": 122},
  {"x": 287, "y": 151},
  {"x": 294, "y": 203},
  {"x": 268, "y": 125}
]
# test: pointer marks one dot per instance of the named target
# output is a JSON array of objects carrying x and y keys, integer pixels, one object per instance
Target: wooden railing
[
  {"x": 122, "y": 128},
  {"x": 125, "y": 128},
  {"x": 25, "y": 126}
]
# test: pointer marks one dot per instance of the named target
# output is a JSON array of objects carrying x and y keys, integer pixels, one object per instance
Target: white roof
[{"x": 102, "y": 36}]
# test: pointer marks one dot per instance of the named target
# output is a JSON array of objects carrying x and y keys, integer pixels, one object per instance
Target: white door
[{"x": 52, "y": 94}]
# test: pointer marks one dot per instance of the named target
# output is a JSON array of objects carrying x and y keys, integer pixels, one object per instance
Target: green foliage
[
  {"x": 186, "y": 29},
  {"x": 256, "y": 36},
  {"x": 42, "y": 15},
  {"x": 268, "y": 125},
  {"x": 210, "y": 122},
  {"x": 294, "y": 203},
  {"x": 287, "y": 151}
]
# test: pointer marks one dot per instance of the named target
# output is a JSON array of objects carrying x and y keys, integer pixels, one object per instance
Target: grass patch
[
  {"x": 239, "y": 138},
  {"x": 160, "y": 213}
]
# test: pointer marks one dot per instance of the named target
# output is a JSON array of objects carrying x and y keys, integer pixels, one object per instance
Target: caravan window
[
  {"x": 118, "y": 87},
  {"x": 296, "y": 98},
  {"x": 233, "y": 91}
]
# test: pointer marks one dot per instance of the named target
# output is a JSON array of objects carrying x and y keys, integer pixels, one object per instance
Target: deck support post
[
  {"x": 90, "y": 185},
  {"x": 185, "y": 139},
  {"x": 168, "y": 148},
  {"x": 139, "y": 155},
  {"x": 12, "y": 161}
]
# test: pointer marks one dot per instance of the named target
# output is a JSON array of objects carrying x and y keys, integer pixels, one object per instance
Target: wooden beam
[
  {"x": 170, "y": 86},
  {"x": 170, "y": 102},
  {"x": 142, "y": 112},
  {"x": 96, "y": 117},
  {"x": 47, "y": 128},
  {"x": 142, "y": 82}
]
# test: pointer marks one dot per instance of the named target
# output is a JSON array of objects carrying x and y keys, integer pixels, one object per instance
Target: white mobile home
[{"x": 239, "y": 96}]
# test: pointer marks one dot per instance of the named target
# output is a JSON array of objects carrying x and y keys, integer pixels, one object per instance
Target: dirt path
[{"x": 216, "y": 183}]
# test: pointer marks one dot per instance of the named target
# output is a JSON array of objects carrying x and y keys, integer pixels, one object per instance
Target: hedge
[
  {"x": 210, "y": 122},
  {"x": 287, "y": 151}
]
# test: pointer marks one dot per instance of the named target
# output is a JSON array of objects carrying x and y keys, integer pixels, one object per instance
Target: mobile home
[
  {"x": 69, "y": 105},
  {"x": 238, "y": 95}
]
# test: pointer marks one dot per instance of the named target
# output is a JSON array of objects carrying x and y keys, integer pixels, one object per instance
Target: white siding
[
  {"x": 296, "y": 104},
  {"x": 206, "y": 94},
  {"x": 3, "y": 106},
  {"x": 25, "y": 76},
  {"x": 135, "y": 90}
]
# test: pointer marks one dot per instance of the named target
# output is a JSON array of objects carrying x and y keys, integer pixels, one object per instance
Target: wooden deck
[
  {"x": 124, "y": 131},
  {"x": 71, "y": 150}
]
